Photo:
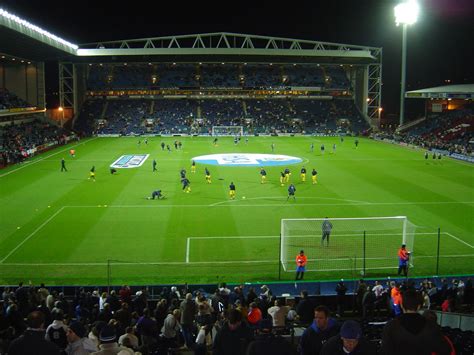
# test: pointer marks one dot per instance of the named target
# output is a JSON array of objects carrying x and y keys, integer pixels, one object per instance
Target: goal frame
[
  {"x": 282, "y": 251},
  {"x": 230, "y": 128}
]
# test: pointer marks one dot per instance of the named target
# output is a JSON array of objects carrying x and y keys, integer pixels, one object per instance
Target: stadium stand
[
  {"x": 10, "y": 100},
  {"x": 220, "y": 76},
  {"x": 19, "y": 141},
  {"x": 450, "y": 132},
  {"x": 145, "y": 315}
]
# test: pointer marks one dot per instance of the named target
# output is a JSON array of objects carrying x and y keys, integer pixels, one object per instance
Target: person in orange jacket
[{"x": 301, "y": 260}]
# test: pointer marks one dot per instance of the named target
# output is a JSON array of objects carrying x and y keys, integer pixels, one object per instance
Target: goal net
[
  {"x": 227, "y": 130},
  {"x": 355, "y": 244}
]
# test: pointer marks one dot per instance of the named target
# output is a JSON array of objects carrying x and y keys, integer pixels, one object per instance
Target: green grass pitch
[{"x": 62, "y": 228}]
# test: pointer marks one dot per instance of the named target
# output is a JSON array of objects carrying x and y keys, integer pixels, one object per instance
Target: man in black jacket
[
  {"x": 411, "y": 333},
  {"x": 322, "y": 328},
  {"x": 234, "y": 336},
  {"x": 32, "y": 342}
]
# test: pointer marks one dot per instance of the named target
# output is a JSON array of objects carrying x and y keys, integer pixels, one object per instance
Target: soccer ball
[{"x": 243, "y": 197}]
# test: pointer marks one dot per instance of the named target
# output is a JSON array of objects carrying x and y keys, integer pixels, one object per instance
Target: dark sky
[{"x": 440, "y": 44}]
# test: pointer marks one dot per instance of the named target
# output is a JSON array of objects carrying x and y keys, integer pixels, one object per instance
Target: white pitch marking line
[
  {"x": 27, "y": 164},
  {"x": 188, "y": 242},
  {"x": 234, "y": 203},
  {"x": 239, "y": 237},
  {"x": 204, "y": 262},
  {"x": 280, "y": 198},
  {"x": 459, "y": 240},
  {"x": 32, "y": 234}
]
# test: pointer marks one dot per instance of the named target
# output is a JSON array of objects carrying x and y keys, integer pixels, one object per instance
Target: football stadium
[{"x": 199, "y": 161}]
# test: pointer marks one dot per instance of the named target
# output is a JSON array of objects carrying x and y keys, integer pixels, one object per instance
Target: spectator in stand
[
  {"x": 361, "y": 290},
  {"x": 349, "y": 341},
  {"x": 130, "y": 335},
  {"x": 188, "y": 310},
  {"x": 161, "y": 311},
  {"x": 108, "y": 343},
  {"x": 279, "y": 312},
  {"x": 125, "y": 294},
  {"x": 56, "y": 332},
  {"x": 305, "y": 308},
  {"x": 319, "y": 332},
  {"x": 447, "y": 305},
  {"x": 124, "y": 316},
  {"x": 77, "y": 343},
  {"x": 411, "y": 333},
  {"x": 341, "y": 290},
  {"x": 234, "y": 336},
  {"x": 396, "y": 298},
  {"x": 380, "y": 296},
  {"x": 170, "y": 329},
  {"x": 32, "y": 341},
  {"x": 251, "y": 295},
  {"x": 254, "y": 315},
  {"x": 147, "y": 329}
]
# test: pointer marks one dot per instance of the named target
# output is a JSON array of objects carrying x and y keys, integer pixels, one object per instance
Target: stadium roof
[
  {"x": 26, "y": 40},
  {"x": 23, "y": 39},
  {"x": 463, "y": 91}
]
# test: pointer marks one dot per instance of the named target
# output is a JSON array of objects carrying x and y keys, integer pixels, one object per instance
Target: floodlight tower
[{"x": 406, "y": 13}]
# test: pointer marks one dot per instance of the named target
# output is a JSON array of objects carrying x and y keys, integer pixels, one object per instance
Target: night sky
[{"x": 440, "y": 44}]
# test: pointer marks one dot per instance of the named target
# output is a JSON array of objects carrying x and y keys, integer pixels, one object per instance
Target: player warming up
[
  {"x": 291, "y": 192},
  {"x": 208, "y": 175},
  {"x": 303, "y": 174},
  {"x": 326, "y": 228},
  {"x": 301, "y": 260},
  {"x": 186, "y": 185},
  {"x": 314, "y": 176},
  {"x": 263, "y": 175},
  {"x": 92, "y": 173},
  {"x": 156, "y": 194},
  {"x": 232, "y": 191}
]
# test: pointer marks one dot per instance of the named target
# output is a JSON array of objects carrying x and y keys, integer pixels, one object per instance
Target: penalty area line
[{"x": 31, "y": 235}]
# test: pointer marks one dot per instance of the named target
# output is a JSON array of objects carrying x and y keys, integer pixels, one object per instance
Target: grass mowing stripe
[{"x": 32, "y": 234}]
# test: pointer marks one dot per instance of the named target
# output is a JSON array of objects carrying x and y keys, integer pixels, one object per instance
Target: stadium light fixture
[
  {"x": 406, "y": 13},
  {"x": 10, "y": 17},
  {"x": 61, "y": 109}
]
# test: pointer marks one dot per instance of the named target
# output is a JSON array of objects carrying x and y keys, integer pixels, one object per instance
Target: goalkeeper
[
  {"x": 403, "y": 258},
  {"x": 301, "y": 260},
  {"x": 326, "y": 228}
]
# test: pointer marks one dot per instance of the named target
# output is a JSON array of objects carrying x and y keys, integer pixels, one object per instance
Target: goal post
[
  {"x": 354, "y": 244},
  {"x": 226, "y": 131}
]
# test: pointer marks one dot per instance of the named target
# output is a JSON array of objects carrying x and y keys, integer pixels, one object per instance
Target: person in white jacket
[{"x": 78, "y": 344}]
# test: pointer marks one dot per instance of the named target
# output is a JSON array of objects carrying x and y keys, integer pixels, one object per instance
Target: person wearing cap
[
  {"x": 78, "y": 344},
  {"x": 108, "y": 342},
  {"x": 301, "y": 260},
  {"x": 403, "y": 257},
  {"x": 322, "y": 328},
  {"x": 349, "y": 341}
]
